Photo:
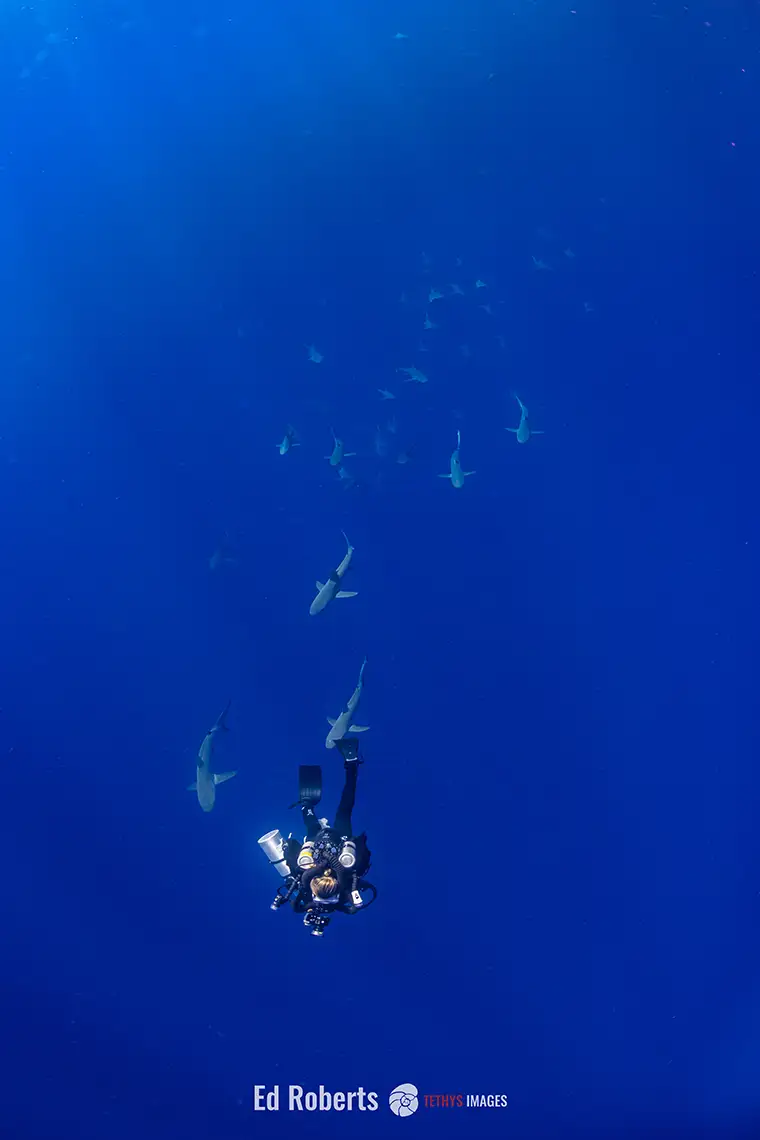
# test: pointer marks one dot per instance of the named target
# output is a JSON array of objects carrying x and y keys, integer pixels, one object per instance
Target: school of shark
[{"x": 207, "y": 779}]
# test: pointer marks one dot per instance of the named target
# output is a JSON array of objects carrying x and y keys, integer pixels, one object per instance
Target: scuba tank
[
  {"x": 306, "y": 856},
  {"x": 347, "y": 857}
]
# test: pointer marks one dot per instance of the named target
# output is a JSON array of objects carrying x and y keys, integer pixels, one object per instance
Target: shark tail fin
[
  {"x": 220, "y": 777},
  {"x": 346, "y": 593},
  {"x": 222, "y": 718}
]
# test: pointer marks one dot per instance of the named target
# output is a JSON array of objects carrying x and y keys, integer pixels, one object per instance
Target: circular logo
[{"x": 404, "y": 1100}]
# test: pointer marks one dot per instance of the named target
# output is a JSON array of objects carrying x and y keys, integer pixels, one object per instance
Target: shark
[
  {"x": 289, "y": 440},
  {"x": 347, "y": 478},
  {"x": 339, "y": 452},
  {"x": 456, "y": 475},
  {"x": 206, "y": 780},
  {"x": 381, "y": 442},
  {"x": 342, "y": 724},
  {"x": 523, "y": 431},
  {"x": 330, "y": 589},
  {"x": 219, "y": 558},
  {"x": 414, "y": 375}
]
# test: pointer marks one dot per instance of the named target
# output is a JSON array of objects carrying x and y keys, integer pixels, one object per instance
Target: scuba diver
[{"x": 324, "y": 874}]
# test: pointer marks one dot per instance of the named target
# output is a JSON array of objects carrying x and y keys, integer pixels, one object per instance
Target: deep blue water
[{"x": 560, "y": 785}]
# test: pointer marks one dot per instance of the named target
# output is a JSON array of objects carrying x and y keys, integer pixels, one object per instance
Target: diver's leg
[
  {"x": 347, "y": 800},
  {"x": 310, "y": 822}
]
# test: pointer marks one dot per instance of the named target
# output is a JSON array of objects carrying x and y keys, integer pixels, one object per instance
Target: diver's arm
[
  {"x": 300, "y": 903},
  {"x": 302, "y": 899},
  {"x": 345, "y": 879},
  {"x": 292, "y": 851},
  {"x": 312, "y": 872}
]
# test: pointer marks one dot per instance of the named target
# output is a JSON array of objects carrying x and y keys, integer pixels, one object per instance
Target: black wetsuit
[{"x": 304, "y": 899}]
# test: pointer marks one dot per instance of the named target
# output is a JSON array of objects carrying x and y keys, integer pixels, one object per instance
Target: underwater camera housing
[{"x": 317, "y": 920}]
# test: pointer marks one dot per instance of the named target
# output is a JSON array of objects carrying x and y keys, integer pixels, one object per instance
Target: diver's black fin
[
  {"x": 309, "y": 784},
  {"x": 348, "y": 747}
]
